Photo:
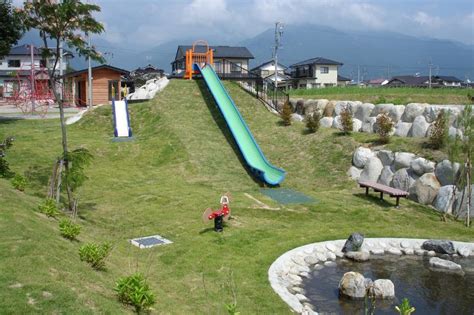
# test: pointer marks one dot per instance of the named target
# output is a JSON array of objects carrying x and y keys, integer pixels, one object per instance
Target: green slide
[{"x": 248, "y": 146}]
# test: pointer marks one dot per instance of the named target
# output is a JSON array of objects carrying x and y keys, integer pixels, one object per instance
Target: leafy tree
[
  {"x": 384, "y": 126},
  {"x": 63, "y": 21},
  {"x": 346, "y": 120},
  {"x": 312, "y": 121},
  {"x": 439, "y": 131},
  {"x": 11, "y": 28}
]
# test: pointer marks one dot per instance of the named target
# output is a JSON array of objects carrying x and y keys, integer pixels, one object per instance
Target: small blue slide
[{"x": 252, "y": 153}]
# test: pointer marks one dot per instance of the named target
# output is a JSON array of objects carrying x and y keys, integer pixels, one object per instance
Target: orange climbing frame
[{"x": 201, "y": 58}]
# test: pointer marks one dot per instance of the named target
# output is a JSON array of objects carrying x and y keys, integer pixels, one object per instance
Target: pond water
[{"x": 430, "y": 292}]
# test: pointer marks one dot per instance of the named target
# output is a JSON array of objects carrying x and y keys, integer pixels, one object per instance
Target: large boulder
[
  {"x": 432, "y": 112},
  {"x": 310, "y": 106},
  {"x": 425, "y": 188},
  {"x": 357, "y": 256},
  {"x": 354, "y": 172},
  {"x": 387, "y": 157},
  {"x": 402, "y": 129},
  {"x": 363, "y": 111},
  {"x": 297, "y": 117},
  {"x": 326, "y": 122},
  {"x": 382, "y": 108},
  {"x": 353, "y": 243},
  {"x": 421, "y": 166},
  {"x": 386, "y": 176},
  {"x": 447, "y": 172},
  {"x": 453, "y": 132},
  {"x": 356, "y": 124},
  {"x": 444, "y": 264},
  {"x": 419, "y": 128},
  {"x": 322, "y": 105},
  {"x": 372, "y": 170},
  {"x": 299, "y": 108},
  {"x": 460, "y": 204},
  {"x": 361, "y": 156},
  {"x": 294, "y": 101},
  {"x": 382, "y": 289},
  {"x": 403, "y": 160},
  {"x": 337, "y": 123},
  {"x": 351, "y": 106},
  {"x": 402, "y": 180},
  {"x": 368, "y": 125},
  {"x": 329, "y": 109},
  {"x": 412, "y": 111},
  {"x": 353, "y": 285},
  {"x": 396, "y": 113},
  {"x": 445, "y": 199},
  {"x": 439, "y": 246}
]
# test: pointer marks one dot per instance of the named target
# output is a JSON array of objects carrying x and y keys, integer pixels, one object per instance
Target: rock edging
[{"x": 287, "y": 271}]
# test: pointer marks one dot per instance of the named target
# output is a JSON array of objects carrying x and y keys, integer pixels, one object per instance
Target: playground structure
[
  {"x": 194, "y": 57},
  {"x": 122, "y": 128},
  {"x": 223, "y": 214},
  {"x": 32, "y": 93}
]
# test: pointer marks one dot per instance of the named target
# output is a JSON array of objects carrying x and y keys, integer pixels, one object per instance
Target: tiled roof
[{"x": 318, "y": 61}]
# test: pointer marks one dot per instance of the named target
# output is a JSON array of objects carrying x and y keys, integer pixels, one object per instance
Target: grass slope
[
  {"x": 183, "y": 159},
  {"x": 378, "y": 95}
]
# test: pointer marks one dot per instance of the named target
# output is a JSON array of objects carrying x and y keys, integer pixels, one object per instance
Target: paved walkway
[{"x": 13, "y": 112}]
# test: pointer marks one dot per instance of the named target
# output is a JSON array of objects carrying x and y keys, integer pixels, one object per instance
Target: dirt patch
[{"x": 17, "y": 285}]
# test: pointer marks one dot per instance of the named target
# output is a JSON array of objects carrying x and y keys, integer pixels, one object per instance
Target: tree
[
  {"x": 62, "y": 21},
  {"x": 286, "y": 112},
  {"x": 11, "y": 28},
  {"x": 312, "y": 121},
  {"x": 439, "y": 131},
  {"x": 384, "y": 126},
  {"x": 346, "y": 120}
]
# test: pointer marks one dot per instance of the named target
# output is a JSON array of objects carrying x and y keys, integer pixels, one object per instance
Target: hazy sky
[{"x": 146, "y": 23}]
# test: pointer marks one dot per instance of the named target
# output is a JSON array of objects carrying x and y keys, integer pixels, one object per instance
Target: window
[
  {"x": 324, "y": 69},
  {"x": 115, "y": 93},
  {"x": 218, "y": 66},
  {"x": 236, "y": 67},
  {"x": 43, "y": 63},
  {"x": 14, "y": 63}
]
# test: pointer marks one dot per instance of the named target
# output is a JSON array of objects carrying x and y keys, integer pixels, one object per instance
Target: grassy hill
[{"x": 182, "y": 160}]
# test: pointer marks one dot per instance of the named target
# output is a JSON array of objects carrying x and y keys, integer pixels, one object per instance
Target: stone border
[{"x": 287, "y": 271}]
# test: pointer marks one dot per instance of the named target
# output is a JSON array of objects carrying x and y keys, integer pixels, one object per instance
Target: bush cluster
[
  {"x": 384, "y": 126},
  {"x": 19, "y": 182},
  {"x": 312, "y": 121},
  {"x": 286, "y": 112},
  {"x": 69, "y": 229},
  {"x": 48, "y": 207},
  {"x": 95, "y": 254},
  {"x": 438, "y": 134},
  {"x": 135, "y": 291},
  {"x": 346, "y": 120}
]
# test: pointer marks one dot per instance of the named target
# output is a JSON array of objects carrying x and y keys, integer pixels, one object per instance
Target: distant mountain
[{"x": 375, "y": 54}]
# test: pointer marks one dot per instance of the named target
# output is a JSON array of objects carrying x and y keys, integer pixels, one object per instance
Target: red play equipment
[
  {"x": 218, "y": 215},
  {"x": 201, "y": 57}
]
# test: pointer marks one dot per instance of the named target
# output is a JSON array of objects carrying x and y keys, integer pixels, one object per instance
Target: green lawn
[
  {"x": 182, "y": 160},
  {"x": 378, "y": 95}
]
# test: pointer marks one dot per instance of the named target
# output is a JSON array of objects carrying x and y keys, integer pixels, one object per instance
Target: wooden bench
[{"x": 392, "y": 192}]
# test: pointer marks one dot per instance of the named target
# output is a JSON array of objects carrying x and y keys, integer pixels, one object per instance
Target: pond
[{"x": 429, "y": 291}]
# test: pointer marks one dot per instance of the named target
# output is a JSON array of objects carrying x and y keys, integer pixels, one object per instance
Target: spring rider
[{"x": 219, "y": 216}]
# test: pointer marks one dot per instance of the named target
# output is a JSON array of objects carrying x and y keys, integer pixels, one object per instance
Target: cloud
[{"x": 426, "y": 20}]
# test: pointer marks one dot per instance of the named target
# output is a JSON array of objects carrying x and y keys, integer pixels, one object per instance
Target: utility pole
[
  {"x": 278, "y": 33},
  {"x": 89, "y": 75},
  {"x": 358, "y": 75},
  {"x": 32, "y": 71}
]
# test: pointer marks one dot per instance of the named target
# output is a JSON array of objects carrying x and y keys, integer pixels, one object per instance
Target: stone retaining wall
[
  {"x": 149, "y": 90},
  {"x": 427, "y": 182},
  {"x": 411, "y": 120},
  {"x": 287, "y": 272}
]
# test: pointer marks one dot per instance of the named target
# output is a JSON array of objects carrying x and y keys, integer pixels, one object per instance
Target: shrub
[
  {"x": 346, "y": 120},
  {"x": 75, "y": 175},
  {"x": 312, "y": 121},
  {"x": 405, "y": 308},
  {"x": 95, "y": 254},
  {"x": 68, "y": 229},
  {"x": 19, "y": 182},
  {"x": 380, "y": 100},
  {"x": 286, "y": 112},
  {"x": 48, "y": 207},
  {"x": 135, "y": 291},
  {"x": 4, "y": 167},
  {"x": 384, "y": 126},
  {"x": 439, "y": 130}
]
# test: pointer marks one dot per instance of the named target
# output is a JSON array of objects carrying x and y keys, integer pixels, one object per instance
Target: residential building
[
  {"x": 229, "y": 62},
  {"x": 315, "y": 73},
  {"x": 106, "y": 84},
  {"x": 267, "y": 72},
  {"x": 342, "y": 81},
  {"x": 424, "y": 81},
  {"x": 21, "y": 65}
]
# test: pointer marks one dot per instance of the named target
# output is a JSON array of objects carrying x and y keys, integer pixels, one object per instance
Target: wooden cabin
[{"x": 105, "y": 79}]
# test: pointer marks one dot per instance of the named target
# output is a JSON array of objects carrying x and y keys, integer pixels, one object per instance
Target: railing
[{"x": 252, "y": 82}]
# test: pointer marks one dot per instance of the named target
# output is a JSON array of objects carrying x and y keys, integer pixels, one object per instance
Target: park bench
[{"x": 392, "y": 192}]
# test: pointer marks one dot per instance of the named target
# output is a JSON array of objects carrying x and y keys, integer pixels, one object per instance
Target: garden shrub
[
  {"x": 286, "y": 114},
  {"x": 69, "y": 229},
  {"x": 135, "y": 291},
  {"x": 380, "y": 100},
  {"x": 439, "y": 131},
  {"x": 346, "y": 120},
  {"x": 312, "y": 121},
  {"x": 384, "y": 126},
  {"x": 4, "y": 167},
  {"x": 78, "y": 160},
  {"x": 95, "y": 254},
  {"x": 48, "y": 207},
  {"x": 19, "y": 182}
]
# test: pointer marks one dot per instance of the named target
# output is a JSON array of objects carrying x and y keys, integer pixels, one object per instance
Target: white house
[
  {"x": 315, "y": 73},
  {"x": 267, "y": 72},
  {"x": 16, "y": 69}
]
